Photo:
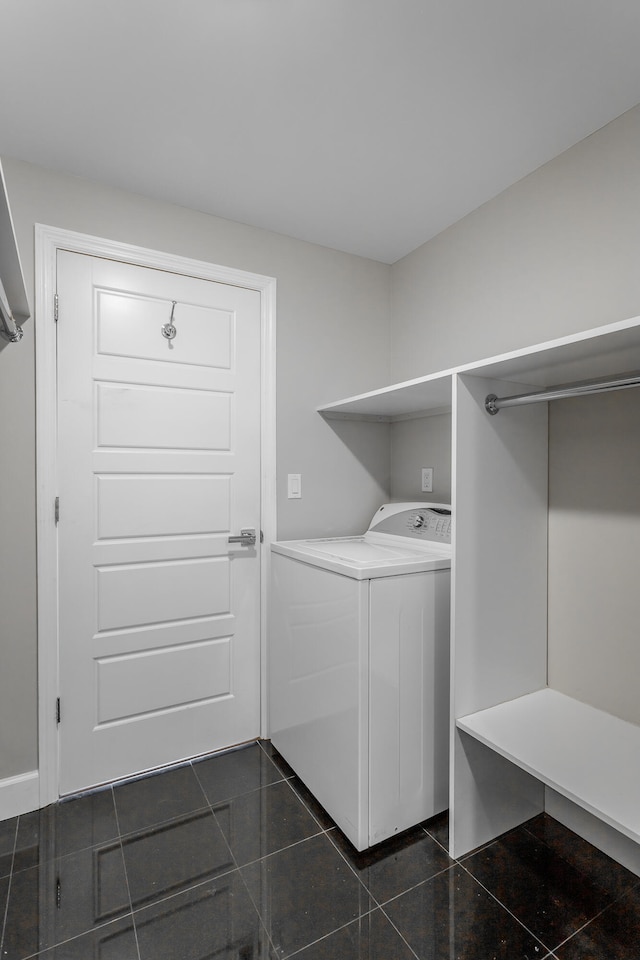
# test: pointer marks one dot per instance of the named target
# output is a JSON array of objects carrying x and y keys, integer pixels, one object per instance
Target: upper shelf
[
  {"x": 599, "y": 352},
  {"x": 430, "y": 394},
  {"x": 11, "y": 276}
]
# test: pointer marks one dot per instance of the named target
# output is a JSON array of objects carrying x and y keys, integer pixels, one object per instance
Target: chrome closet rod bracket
[{"x": 9, "y": 329}]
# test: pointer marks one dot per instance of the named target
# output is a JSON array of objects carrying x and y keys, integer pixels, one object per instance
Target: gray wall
[
  {"x": 328, "y": 305},
  {"x": 423, "y": 442},
  {"x": 594, "y": 550},
  {"x": 555, "y": 254}
]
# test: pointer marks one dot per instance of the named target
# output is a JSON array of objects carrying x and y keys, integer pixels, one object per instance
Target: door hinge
[
  {"x": 57, "y": 709},
  {"x": 56, "y": 510},
  {"x": 55, "y": 308}
]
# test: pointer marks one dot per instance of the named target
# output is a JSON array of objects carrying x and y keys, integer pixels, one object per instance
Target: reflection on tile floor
[{"x": 231, "y": 857}]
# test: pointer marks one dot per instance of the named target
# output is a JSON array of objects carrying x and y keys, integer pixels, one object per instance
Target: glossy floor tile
[
  {"x": 371, "y": 937},
  {"x": 615, "y": 933},
  {"x": 451, "y": 915},
  {"x": 236, "y": 773},
  {"x": 215, "y": 919},
  {"x": 394, "y": 867},
  {"x": 174, "y": 856},
  {"x": 114, "y": 941},
  {"x": 554, "y": 885},
  {"x": 65, "y": 828},
  {"x": 304, "y": 893},
  {"x": 160, "y": 797},
  {"x": 8, "y": 830},
  {"x": 232, "y": 857},
  {"x": 61, "y": 899},
  {"x": 264, "y": 821}
]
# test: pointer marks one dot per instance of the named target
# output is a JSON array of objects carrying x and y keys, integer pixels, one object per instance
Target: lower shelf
[{"x": 587, "y": 755}]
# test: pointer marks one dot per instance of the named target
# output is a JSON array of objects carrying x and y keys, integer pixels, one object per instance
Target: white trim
[
  {"x": 19, "y": 794},
  {"x": 48, "y": 240}
]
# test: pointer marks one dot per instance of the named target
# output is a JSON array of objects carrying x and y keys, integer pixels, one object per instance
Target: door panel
[
  {"x": 156, "y": 679},
  {"x": 159, "y": 463},
  {"x": 161, "y": 506},
  {"x": 127, "y": 327},
  {"x": 150, "y": 418}
]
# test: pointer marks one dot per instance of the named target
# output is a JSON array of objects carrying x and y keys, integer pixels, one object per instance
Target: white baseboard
[
  {"x": 595, "y": 831},
  {"x": 19, "y": 794}
]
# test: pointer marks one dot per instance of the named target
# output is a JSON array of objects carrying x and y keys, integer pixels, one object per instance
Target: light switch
[{"x": 294, "y": 486}]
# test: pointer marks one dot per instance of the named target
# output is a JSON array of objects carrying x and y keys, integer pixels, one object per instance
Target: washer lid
[
  {"x": 402, "y": 538},
  {"x": 362, "y": 550},
  {"x": 368, "y": 557}
]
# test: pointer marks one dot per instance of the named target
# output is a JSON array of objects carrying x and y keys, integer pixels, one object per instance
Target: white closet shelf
[
  {"x": 425, "y": 396},
  {"x": 12, "y": 286},
  {"x": 599, "y": 352},
  {"x": 585, "y": 754}
]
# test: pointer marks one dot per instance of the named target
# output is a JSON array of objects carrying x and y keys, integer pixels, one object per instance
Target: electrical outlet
[{"x": 427, "y": 479}]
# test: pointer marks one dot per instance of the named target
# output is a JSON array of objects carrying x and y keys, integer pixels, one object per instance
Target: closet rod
[{"x": 493, "y": 403}]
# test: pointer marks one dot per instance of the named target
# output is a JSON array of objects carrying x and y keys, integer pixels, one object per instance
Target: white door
[{"x": 159, "y": 463}]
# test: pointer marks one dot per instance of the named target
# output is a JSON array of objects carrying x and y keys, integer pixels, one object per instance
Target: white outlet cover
[{"x": 427, "y": 479}]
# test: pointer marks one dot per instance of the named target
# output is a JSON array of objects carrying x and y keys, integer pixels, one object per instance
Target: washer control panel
[
  {"x": 420, "y": 521},
  {"x": 436, "y": 523}
]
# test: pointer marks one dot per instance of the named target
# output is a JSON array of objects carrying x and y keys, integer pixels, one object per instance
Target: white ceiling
[{"x": 364, "y": 125}]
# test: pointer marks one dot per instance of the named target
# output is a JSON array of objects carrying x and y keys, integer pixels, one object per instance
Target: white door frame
[{"x": 48, "y": 240}]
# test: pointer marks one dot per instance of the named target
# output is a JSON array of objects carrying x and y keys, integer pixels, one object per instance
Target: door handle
[{"x": 247, "y": 537}]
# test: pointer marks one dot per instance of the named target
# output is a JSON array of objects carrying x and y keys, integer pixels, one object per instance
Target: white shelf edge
[
  {"x": 386, "y": 394},
  {"x": 367, "y": 417},
  {"x": 384, "y": 418},
  {"x": 348, "y": 408},
  {"x": 586, "y": 755},
  {"x": 10, "y": 266}
]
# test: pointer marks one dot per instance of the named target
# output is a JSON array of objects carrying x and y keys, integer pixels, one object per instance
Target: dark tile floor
[{"x": 231, "y": 857}]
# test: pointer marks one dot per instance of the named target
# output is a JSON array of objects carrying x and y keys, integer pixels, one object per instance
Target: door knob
[{"x": 247, "y": 537}]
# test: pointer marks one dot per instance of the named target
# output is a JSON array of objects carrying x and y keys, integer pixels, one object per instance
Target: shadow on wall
[
  {"x": 370, "y": 444},
  {"x": 594, "y": 454}
]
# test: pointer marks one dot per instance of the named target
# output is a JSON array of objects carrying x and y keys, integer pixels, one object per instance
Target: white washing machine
[{"x": 359, "y": 669}]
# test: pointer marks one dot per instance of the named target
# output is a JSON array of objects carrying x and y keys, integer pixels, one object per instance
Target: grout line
[
  {"x": 325, "y": 936},
  {"x": 506, "y": 909},
  {"x": 272, "y": 761},
  {"x": 589, "y": 922},
  {"x": 257, "y": 910},
  {"x": 307, "y": 807},
  {"x": 156, "y": 901},
  {"x": 439, "y": 842},
  {"x": 289, "y": 846},
  {"x": 53, "y": 948},
  {"x": 353, "y": 869},
  {"x": 244, "y": 793},
  {"x": 161, "y": 824},
  {"x": 377, "y": 902},
  {"x": 381, "y": 903},
  {"x": 126, "y": 872},
  {"x": 6, "y": 906},
  {"x": 401, "y": 935},
  {"x": 420, "y": 883}
]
